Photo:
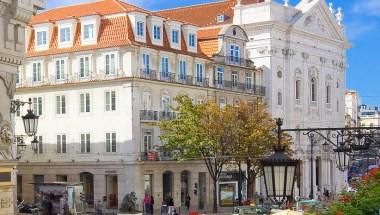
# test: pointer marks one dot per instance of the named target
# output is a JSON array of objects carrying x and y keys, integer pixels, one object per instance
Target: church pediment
[{"x": 320, "y": 21}]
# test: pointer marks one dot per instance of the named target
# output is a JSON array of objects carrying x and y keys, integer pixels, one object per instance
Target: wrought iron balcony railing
[
  {"x": 235, "y": 61},
  {"x": 240, "y": 87},
  {"x": 150, "y": 115}
]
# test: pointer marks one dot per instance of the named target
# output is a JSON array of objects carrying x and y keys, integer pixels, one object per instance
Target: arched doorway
[
  {"x": 88, "y": 186},
  {"x": 167, "y": 185},
  {"x": 185, "y": 185}
]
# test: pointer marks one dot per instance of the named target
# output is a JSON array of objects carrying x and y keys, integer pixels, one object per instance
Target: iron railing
[{"x": 235, "y": 61}]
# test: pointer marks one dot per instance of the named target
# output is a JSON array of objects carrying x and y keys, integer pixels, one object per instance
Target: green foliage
[{"x": 365, "y": 201}]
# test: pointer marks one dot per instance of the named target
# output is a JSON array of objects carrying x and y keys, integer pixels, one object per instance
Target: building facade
[
  {"x": 101, "y": 81},
  {"x": 352, "y": 108},
  {"x": 369, "y": 116},
  {"x": 104, "y": 78},
  {"x": 14, "y": 15}
]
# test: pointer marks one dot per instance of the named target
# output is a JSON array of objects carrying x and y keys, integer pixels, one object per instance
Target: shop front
[{"x": 228, "y": 188}]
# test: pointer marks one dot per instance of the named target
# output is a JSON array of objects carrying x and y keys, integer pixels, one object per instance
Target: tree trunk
[
  {"x": 215, "y": 203},
  {"x": 250, "y": 181},
  {"x": 240, "y": 186}
]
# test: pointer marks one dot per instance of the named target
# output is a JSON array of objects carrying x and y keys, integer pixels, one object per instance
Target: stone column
[{"x": 14, "y": 15}]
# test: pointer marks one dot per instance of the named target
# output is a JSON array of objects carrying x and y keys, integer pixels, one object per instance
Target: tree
[{"x": 200, "y": 132}]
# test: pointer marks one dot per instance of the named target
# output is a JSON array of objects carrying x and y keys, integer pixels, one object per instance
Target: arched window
[
  {"x": 165, "y": 102},
  {"x": 222, "y": 102},
  {"x": 313, "y": 90},
  {"x": 328, "y": 94},
  {"x": 279, "y": 98},
  {"x": 298, "y": 89}
]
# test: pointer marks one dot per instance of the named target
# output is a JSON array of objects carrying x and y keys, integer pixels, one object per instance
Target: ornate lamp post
[
  {"x": 279, "y": 172},
  {"x": 342, "y": 157}
]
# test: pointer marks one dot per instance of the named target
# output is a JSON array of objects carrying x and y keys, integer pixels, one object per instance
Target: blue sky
[{"x": 362, "y": 21}]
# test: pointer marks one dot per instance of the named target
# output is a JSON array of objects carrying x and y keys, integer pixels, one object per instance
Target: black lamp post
[
  {"x": 325, "y": 146},
  {"x": 30, "y": 121},
  {"x": 342, "y": 157},
  {"x": 279, "y": 172}
]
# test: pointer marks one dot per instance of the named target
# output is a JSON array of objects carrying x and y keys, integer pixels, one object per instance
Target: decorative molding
[
  {"x": 305, "y": 55},
  {"x": 10, "y": 60},
  {"x": 6, "y": 138},
  {"x": 3, "y": 7},
  {"x": 9, "y": 81},
  {"x": 22, "y": 15},
  {"x": 322, "y": 60}
]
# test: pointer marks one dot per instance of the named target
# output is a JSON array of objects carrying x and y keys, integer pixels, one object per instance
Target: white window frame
[
  {"x": 234, "y": 53},
  {"x": 146, "y": 63},
  {"x": 64, "y": 34},
  {"x": 199, "y": 72},
  {"x": 42, "y": 38},
  {"x": 328, "y": 93},
  {"x": 219, "y": 76},
  {"x": 157, "y": 32},
  {"x": 313, "y": 89},
  {"x": 222, "y": 102},
  {"x": 37, "y": 105},
  {"x": 40, "y": 145},
  {"x": 85, "y": 143},
  {"x": 248, "y": 81},
  {"x": 84, "y": 67},
  {"x": 147, "y": 140},
  {"x": 165, "y": 67},
  {"x": 111, "y": 142},
  {"x": 61, "y": 144},
  {"x": 91, "y": 32},
  {"x": 85, "y": 103},
  {"x": 192, "y": 40},
  {"x": 60, "y": 69},
  {"x": 61, "y": 104},
  {"x": 298, "y": 85},
  {"x": 140, "y": 32},
  {"x": 175, "y": 36},
  {"x": 234, "y": 79},
  {"x": 182, "y": 64},
  {"x": 110, "y": 62},
  {"x": 110, "y": 101},
  {"x": 37, "y": 72}
]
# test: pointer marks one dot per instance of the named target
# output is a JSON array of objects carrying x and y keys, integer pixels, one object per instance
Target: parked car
[{"x": 245, "y": 210}]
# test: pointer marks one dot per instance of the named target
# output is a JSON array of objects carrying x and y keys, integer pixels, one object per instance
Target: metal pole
[{"x": 311, "y": 170}]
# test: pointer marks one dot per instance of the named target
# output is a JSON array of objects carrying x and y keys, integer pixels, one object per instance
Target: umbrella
[{"x": 288, "y": 212}]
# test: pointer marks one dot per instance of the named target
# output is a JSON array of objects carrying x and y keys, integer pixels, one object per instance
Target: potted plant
[{"x": 129, "y": 205}]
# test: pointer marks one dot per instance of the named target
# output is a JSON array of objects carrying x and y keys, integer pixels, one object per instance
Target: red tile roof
[{"x": 205, "y": 14}]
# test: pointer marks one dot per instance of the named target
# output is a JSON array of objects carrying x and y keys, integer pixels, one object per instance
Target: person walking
[
  {"x": 151, "y": 204},
  {"x": 187, "y": 201},
  {"x": 147, "y": 202},
  {"x": 170, "y": 204}
]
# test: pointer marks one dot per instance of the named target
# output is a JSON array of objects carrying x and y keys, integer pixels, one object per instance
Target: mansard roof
[{"x": 205, "y": 14}]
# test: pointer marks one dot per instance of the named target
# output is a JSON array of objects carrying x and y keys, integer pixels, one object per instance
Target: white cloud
[
  {"x": 368, "y": 7},
  {"x": 356, "y": 29}
]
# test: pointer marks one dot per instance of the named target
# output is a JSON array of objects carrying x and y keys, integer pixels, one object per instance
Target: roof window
[{"x": 220, "y": 18}]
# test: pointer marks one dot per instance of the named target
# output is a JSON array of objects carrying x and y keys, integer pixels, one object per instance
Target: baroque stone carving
[
  {"x": 5, "y": 138},
  {"x": 9, "y": 81}
]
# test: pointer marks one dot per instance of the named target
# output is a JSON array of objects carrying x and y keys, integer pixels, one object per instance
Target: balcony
[
  {"x": 156, "y": 156},
  {"x": 148, "y": 74},
  {"x": 240, "y": 87},
  {"x": 185, "y": 79},
  {"x": 202, "y": 82},
  {"x": 234, "y": 61},
  {"x": 167, "y": 76},
  {"x": 152, "y": 116}
]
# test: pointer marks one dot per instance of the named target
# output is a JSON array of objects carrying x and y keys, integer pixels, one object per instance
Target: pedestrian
[
  {"x": 170, "y": 204},
  {"x": 151, "y": 204},
  {"x": 98, "y": 207},
  {"x": 187, "y": 201},
  {"x": 147, "y": 203}
]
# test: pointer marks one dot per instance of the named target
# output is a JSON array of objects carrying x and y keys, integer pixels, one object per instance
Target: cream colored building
[
  {"x": 352, "y": 108},
  {"x": 369, "y": 116},
  {"x": 100, "y": 81},
  {"x": 13, "y": 18}
]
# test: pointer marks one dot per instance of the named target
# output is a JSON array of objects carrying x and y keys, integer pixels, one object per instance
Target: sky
[{"x": 362, "y": 27}]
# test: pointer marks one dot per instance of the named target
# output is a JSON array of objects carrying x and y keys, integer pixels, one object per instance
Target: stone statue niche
[{"x": 6, "y": 139}]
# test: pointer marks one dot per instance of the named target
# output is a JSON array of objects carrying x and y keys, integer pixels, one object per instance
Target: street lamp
[
  {"x": 30, "y": 121},
  {"x": 342, "y": 157},
  {"x": 325, "y": 146},
  {"x": 279, "y": 172}
]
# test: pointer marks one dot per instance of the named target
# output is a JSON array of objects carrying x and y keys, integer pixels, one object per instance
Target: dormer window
[
  {"x": 192, "y": 40},
  {"x": 220, "y": 18},
  {"x": 88, "y": 31},
  {"x": 65, "y": 35},
  {"x": 41, "y": 38},
  {"x": 140, "y": 28},
  {"x": 175, "y": 36},
  {"x": 234, "y": 54},
  {"x": 157, "y": 32}
]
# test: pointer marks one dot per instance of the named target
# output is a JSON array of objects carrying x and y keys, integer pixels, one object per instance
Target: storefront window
[{"x": 111, "y": 189}]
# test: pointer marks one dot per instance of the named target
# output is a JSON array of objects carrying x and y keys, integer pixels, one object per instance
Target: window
[
  {"x": 337, "y": 105},
  {"x": 146, "y": 100},
  {"x": 18, "y": 75},
  {"x": 313, "y": 90},
  {"x": 110, "y": 64},
  {"x": 61, "y": 143},
  {"x": 220, "y": 76},
  {"x": 110, "y": 98},
  {"x": 192, "y": 40},
  {"x": 222, "y": 102},
  {"x": 84, "y": 67},
  {"x": 165, "y": 103},
  {"x": 37, "y": 72},
  {"x": 157, "y": 32},
  {"x": 41, "y": 38},
  {"x": 328, "y": 94},
  {"x": 175, "y": 36},
  {"x": 182, "y": 69},
  {"x": 164, "y": 67},
  {"x": 279, "y": 98},
  {"x": 60, "y": 104},
  {"x": 85, "y": 103},
  {"x": 61, "y": 178},
  {"x": 37, "y": 105},
  {"x": 298, "y": 88},
  {"x": 64, "y": 35},
  {"x": 110, "y": 142},
  {"x": 60, "y": 69},
  {"x": 199, "y": 72},
  {"x": 88, "y": 31},
  {"x": 220, "y": 18},
  {"x": 85, "y": 144},
  {"x": 248, "y": 80},
  {"x": 140, "y": 28},
  {"x": 148, "y": 141},
  {"x": 146, "y": 63},
  {"x": 234, "y": 79},
  {"x": 234, "y": 53},
  {"x": 39, "y": 149}
]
